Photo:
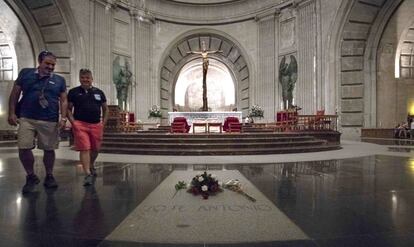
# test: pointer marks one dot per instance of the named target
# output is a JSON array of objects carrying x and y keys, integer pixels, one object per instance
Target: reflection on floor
[
  {"x": 366, "y": 201},
  {"x": 389, "y": 141}
]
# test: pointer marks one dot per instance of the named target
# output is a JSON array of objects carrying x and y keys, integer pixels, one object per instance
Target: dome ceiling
[
  {"x": 204, "y": 2},
  {"x": 211, "y": 12}
]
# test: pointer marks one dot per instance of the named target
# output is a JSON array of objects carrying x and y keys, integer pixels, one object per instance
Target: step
[
  {"x": 12, "y": 143},
  {"x": 249, "y": 151},
  {"x": 208, "y": 140},
  {"x": 235, "y": 145},
  {"x": 203, "y": 135}
]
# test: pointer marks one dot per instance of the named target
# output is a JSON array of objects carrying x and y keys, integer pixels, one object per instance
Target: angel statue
[
  {"x": 288, "y": 74},
  {"x": 122, "y": 78},
  {"x": 204, "y": 54}
]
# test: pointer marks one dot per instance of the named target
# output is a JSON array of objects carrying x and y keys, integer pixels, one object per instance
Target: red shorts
[{"x": 87, "y": 136}]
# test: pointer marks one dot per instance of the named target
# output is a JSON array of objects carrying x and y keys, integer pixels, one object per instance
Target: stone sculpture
[
  {"x": 288, "y": 74},
  {"x": 122, "y": 78}
]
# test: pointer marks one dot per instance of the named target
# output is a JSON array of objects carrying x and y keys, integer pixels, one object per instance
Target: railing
[
  {"x": 317, "y": 122},
  {"x": 303, "y": 123}
]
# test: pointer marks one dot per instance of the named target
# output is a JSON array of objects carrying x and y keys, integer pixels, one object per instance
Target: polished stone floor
[{"x": 360, "y": 201}]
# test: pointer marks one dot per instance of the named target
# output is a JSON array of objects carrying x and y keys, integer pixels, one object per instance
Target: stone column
[
  {"x": 264, "y": 87},
  {"x": 308, "y": 89},
  {"x": 100, "y": 44},
  {"x": 145, "y": 89}
]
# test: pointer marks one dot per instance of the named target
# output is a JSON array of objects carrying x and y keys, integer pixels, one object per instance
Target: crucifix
[{"x": 204, "y": 54}]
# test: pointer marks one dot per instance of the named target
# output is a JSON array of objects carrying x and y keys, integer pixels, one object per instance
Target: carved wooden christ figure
[{"x": 204, "y": 54}]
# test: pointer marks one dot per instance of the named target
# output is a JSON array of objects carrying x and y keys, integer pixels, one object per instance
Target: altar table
[{"x": 207, "y": 117}]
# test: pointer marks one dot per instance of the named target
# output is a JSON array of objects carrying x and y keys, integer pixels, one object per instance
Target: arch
[
  {"x": 51, "y": 25},
  {"x": 177, "y": 56},
  {"x": 220, "y": 84},
  {"x": 358, "y": 28}
]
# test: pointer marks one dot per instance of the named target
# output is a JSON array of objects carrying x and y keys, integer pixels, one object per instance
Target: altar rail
[{"x": 303, "y": 123}]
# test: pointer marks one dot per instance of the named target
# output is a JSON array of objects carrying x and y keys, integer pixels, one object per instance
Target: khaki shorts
[{"x": 46, "y": 133}]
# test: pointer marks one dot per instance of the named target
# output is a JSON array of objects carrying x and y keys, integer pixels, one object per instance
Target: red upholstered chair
[
  {"x": 319, "y": 120},
  {"x": 180, "y": 125},
  {"x": 131, "y": 125},
  {"x": 235, "y": 127},
  {"x": 232, "y": 124},
  {"x": 286, "y": 120},
  {"x": 131, "y": 117},
  {"x": 322, "y": 122}
]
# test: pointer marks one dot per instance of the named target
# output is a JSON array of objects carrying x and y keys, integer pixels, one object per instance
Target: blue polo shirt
[{"x": 31, "y": 85}]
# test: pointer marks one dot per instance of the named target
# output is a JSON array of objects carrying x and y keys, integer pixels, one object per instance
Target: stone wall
[
  {"x": 335, "y": 43},
  {"x": 395, "y": 93}
]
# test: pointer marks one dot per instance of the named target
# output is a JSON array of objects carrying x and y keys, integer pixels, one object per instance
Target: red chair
[
  {"x": 131, "y": 117},
  {"x": 321, "y": 122},
  {"x": 235, "y": 127},
  {"x": 286, "y": 120},
  {"x": 232, "y": 124},
  {"x": 180, "y": 125}
]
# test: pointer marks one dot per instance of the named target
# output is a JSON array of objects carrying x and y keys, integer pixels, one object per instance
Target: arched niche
[
  {"x": 351, "y": 72},
  {"x": 50, "y": 25},
  {"x": 178, "y": 55}
]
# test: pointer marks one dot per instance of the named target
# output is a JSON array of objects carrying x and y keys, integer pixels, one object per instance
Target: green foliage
[
  {"x": 180, "y": 185},
  {"x": 155, "y": 111}
]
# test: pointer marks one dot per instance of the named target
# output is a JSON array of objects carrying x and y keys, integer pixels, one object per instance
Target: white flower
[
  {"x": 204, "y": 188},
  {"x": 200, "y": 179},
  {"x": 155, "y": 111},
  {"x": 214, "y": 176},
  {"x": 256, "y": 111}
]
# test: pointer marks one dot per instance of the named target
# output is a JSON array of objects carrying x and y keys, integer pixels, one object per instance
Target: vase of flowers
[
  {"x": 205, "y": 185},
  {"x": 154, "y": 114},
  {"x": 256, "y": 113}
]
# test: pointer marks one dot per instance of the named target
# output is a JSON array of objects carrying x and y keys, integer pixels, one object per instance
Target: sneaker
[
  {"x": 88, "y": 180},
  {"x": 93, "y": 171},
  {"x": 31, "y": 182},
  {"x": 50, "y": 181}
]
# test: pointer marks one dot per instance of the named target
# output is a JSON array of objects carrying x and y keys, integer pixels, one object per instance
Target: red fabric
[
  {"x": 319, "y": 113},
  {"x": 87, "y": 136},
  {"x": 182, "y": 120},
  {"x": 131, "y": 117},
  {"x": 227, "y": 122}
]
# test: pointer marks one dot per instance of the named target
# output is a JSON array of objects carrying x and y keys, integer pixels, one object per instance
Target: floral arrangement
[
  {"x": 256, "y": 111},
  {"x": 205, "y": 185},
  {"x": 155, "y": 111}
]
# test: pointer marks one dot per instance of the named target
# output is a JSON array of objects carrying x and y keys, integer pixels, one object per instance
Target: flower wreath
[{"x": 204, "y": 184}]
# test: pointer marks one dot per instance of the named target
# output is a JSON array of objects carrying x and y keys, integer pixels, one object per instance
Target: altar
[{"x": 207, "y": 117}]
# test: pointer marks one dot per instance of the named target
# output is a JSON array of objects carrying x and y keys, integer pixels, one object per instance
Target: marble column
[
  {"x": 100, "y": 44},
  {"x": 146, "y": 91},
  {"x": 307, "y": 86},
  {"x": 264, "y": 87}
]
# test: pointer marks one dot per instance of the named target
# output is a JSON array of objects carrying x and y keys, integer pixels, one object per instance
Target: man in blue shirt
[{"x": 37, "y": 114}]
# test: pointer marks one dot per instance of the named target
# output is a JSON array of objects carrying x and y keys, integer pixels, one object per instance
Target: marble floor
[{"x": 361, "y": 195}]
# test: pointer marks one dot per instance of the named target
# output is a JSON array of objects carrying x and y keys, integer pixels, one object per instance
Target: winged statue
[{"x": 288, "y": 74}]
